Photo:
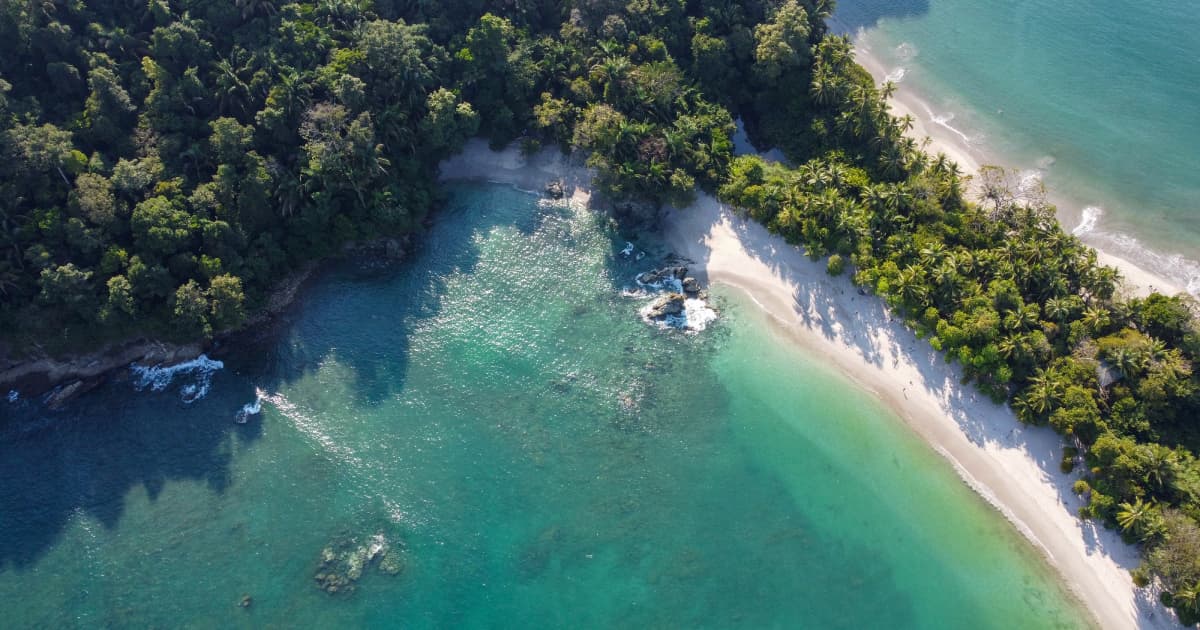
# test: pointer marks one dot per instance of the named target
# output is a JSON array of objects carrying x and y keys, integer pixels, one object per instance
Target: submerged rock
[
  {"x": 342, "y": 564},
  {"x": 392, "y": 563}
]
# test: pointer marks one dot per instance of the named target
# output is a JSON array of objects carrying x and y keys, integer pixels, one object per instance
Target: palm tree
[
  {"x": 1058, "y": 309},
  {"x": 1187, "y": 599},
  {"x": 933, "y": 253},
  {"x": 1043, "y": 393},
  {"x": 1135, "y": 518},
  {"x": 1009, "y": 345},
  {"x": 1128, "y": 361},
  {"x": 821, "y": 89},
  {"x": 910, "y": 285},
  {"x": 893, "y": 162},
  {"x": 1096, "y": 319},
  {"x": 1158, "y": 464}
]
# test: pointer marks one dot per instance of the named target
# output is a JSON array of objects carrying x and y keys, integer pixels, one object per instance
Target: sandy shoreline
[
  {"x": 1138, "y": 280},
  {"x": 1012, "y": 466}
]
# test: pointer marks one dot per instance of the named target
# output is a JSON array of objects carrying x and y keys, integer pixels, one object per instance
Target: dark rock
[
  {"x": 679, "y": 272},
  {"x": 649, "y": 277},
  {"x": 393, "y": 249},
  {"x": 60, "y": 396},
  {"x": 690, "y": 285},
  {"x": 669, "y": 304},
  {"x": 554, "y": 190},
  {"x": 72, "y": 390}
]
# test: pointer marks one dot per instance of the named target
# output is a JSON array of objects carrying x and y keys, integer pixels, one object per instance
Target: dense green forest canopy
[{"x": 166, "y": 162}]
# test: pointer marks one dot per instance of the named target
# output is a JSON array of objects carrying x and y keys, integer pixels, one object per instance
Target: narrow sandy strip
[
  {"x": 1138, "y": 281},
  {"x": 1012, "y": 466}
]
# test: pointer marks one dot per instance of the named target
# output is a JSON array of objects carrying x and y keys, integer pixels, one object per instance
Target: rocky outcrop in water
[
  {"x": 69, "y": 377},
  {"x": 342, "y": 564},
  {"x": 669, "y": 304},
  {"x": 658, "y": 276}
]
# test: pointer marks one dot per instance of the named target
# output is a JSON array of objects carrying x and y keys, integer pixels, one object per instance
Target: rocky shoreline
[{"x": 58, "y": 380}]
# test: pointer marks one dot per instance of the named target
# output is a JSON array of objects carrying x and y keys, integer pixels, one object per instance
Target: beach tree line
[
  {"x": 991, "y": 280},
  {"x": 168, "y": 162}
]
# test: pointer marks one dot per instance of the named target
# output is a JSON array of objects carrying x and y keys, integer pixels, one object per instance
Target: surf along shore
[
  {"x": 1013, "y": 466},
  {"x": 943, "y": 138}
]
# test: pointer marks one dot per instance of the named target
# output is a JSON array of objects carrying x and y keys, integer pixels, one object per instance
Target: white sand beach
[
  {"x": 941, "y": 138},
  {"x": 1014, "y": 467}
]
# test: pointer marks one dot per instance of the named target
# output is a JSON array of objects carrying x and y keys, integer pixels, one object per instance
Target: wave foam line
[
  {"x": 250, "y": 409},
  {"x": 1087, "y": 223},
  {"x": 696, "y": 316},
  {"x": 944, "y": 120},
  {"x": 311, "y": 428},
  {"x": 158, "y": 377},
  {"x": 1175, "y": 267}
]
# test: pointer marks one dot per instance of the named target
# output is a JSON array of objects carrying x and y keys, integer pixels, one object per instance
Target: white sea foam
[
  {"x": 944, "y": 121},
  {"x": 670, "y": 283},
  {"x": 1029, "y": 181},
  {"x": 897, "y": 75},
  {"x": 906, "y": 50},
  {"x": 1087, "y": 223},
  {"x": 628, "y": 251},
  {"x": 13, "y": 396},
  {"x": 1175, "y": 267},
  {"x": 634, "y": 293},
  {"x": 1184, "y": 271},
  {"x": 696, "y": 316},
  {"x": 250, "y": 409},
  {"x": 158, "y": 378}
]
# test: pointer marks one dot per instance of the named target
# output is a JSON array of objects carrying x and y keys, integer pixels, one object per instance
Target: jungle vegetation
[{"x": 166, "y": 162}]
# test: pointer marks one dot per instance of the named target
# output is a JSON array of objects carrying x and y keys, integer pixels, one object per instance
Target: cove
[{"x": 494, "y": 414}]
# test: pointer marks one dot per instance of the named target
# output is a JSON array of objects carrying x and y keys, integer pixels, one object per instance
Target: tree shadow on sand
[{"x": 862, "y": 323}]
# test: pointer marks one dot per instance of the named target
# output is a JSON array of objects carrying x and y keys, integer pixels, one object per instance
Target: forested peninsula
[{"x": 167, "y": 162}]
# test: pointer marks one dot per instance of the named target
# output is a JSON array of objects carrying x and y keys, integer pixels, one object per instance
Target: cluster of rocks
[
  {"x": 555, "y": 190},
  {"x": 674, "y": 302},
  {"x": 342, "y": 564}
]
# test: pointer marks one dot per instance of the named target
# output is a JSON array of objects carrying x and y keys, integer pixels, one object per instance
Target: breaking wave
[
  {"x": 1087, "y": 223},
  {"x": 199, "y": 371},
  {"x": 696, "y": 316},
  {"x": 250, "y": 409}
]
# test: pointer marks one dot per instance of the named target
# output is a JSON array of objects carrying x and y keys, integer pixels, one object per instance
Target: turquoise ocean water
[
  {"x": 493, "y": 424},
  {"x": 1101, "y": 98}
]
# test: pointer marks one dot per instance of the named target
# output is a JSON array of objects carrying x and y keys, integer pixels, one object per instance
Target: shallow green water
[
  {"x": 532, "y": 453},
  {"x": 1101, "y": 97}
]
